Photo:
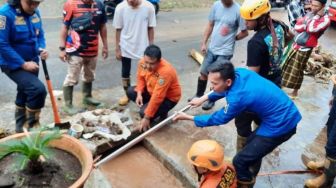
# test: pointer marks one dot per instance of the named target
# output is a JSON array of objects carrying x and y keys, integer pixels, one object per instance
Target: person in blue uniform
[
  {"x": 22, "y": 44},
  {"x": 245, "y": 90}
]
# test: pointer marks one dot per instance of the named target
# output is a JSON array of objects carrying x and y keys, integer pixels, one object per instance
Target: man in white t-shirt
[{"x": 134, "y": 21}]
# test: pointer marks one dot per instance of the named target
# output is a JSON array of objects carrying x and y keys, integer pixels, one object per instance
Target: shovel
[{"x": 65, "y": 125}]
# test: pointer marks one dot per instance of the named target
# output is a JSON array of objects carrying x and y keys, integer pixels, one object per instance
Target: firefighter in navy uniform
[{"x": 21, "y": 43}]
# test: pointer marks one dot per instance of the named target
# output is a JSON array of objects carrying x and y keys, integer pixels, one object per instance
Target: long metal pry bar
[{"x": 140, "y": 138}]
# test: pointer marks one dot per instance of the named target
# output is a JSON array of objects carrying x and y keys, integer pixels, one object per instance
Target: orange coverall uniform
[{"x": 160, "y": 84}]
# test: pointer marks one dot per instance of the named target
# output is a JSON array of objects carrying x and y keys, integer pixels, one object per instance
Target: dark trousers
[
  {"x": 331, "y": 133},
  {"x": 163, "y": 110},
  {"x": 244, "y": 121},
  {"x": 125, "y": 67},
  {"x": 30, "y": 90},
  {"x": 248, "y": 161}
]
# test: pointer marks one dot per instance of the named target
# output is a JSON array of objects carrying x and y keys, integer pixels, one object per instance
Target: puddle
[{"x": 137, "y": 168}]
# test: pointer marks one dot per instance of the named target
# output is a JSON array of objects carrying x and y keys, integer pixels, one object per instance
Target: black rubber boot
[
  {"x": 123, "y": 101},
  {"x": 208, "y": 105},
  {"x": 68, "y": 95},
  {"x": 20, "y": 118},
  {"x": 87, "y": 96},
  {"x": 201, "y": 86},
  {"x": 33, "y": 118},
  {"x": 245, "y": 184}
]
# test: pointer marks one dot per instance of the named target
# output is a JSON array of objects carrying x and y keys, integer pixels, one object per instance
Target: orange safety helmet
[
  {"x": 253, "y": 9},
  {"x": 207, "y": 154}
]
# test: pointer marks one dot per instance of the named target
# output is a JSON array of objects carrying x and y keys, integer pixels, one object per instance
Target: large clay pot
[{"x": 73, "y": 146}]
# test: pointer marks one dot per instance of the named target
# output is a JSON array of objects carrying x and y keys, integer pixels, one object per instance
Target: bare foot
[{"x": 293, "y": 95}]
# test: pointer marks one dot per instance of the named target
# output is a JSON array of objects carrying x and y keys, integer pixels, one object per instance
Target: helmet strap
[
  {"x": 262, "y": 22},
  {"x": 199, "y": 176}
]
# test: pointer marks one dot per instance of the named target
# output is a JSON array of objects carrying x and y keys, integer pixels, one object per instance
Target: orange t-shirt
[
  {"x": 223, "y": 178},
  {"x": 160, "y": 84}
]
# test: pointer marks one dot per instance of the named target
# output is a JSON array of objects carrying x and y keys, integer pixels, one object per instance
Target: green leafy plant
[{"x": 31, "y": 150}]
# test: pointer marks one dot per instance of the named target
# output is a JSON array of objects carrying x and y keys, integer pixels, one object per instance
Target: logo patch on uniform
[
  {"x": 36, "y": 19},
  {"x": 227, "y": 178},
  {"x": 19, "y": 20},
  {"x": 161, "y": 81},
  {"x": 2, "y": 22}
]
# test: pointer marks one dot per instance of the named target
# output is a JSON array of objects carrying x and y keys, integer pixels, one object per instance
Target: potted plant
[{"x": 44, "y": 158}]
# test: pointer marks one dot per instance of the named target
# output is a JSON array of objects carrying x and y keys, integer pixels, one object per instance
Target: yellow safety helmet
[
  {"x": 207, "y": 154},
  {"x": 253, "y": 9}
]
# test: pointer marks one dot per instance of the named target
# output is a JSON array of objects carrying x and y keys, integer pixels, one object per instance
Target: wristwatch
[{"x": 62, "y": 48}]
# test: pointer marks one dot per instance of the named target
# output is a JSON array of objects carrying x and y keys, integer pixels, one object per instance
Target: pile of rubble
[
  {"x": 106, "y": 123},
  {"x": 321, "y": 65}
]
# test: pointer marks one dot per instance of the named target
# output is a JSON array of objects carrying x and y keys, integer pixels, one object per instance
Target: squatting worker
[
  {"x": 83, "y": 21},
  {"x": 207, "y": 158},
  {"x": 244, "y": 89},
  {"x": 158, "y": 89},
  {"x": 22, "y": 43}
]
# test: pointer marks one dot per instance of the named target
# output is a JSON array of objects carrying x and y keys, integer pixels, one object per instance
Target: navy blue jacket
[
  {"x": 253, "y": 93},
  {"x": 21, "y": 37}
]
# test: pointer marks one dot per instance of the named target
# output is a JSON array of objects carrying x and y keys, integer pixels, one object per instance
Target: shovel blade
[{"x": 65, "y": 125}]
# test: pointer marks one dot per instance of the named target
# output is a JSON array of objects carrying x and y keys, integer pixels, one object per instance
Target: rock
[{"x": 6, "y": 181}]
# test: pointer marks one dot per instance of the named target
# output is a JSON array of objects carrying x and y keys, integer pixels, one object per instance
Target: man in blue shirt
[
  {"x": 245, "y": 90},
  {"x": 21, "y": 43}
]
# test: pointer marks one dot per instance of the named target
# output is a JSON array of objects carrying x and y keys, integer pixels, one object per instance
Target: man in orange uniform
[
  {"x": 207, "y": 157},
  {"x": 158, "y": 89}
]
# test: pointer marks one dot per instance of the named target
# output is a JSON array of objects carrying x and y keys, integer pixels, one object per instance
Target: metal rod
[{"x": 139, "y": 138}]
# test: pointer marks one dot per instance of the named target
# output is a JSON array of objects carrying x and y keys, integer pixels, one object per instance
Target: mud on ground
[{"x": 61, "y": 170}]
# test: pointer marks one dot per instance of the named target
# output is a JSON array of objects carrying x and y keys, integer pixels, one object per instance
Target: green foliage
[{"x": 31, "y": 147}]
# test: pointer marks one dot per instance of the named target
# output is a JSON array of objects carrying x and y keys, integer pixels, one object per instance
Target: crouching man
[
  {"x": 207, "y": 157},
  {"x": 245, "y": 90},
  {"x": 157, "y": 90}
]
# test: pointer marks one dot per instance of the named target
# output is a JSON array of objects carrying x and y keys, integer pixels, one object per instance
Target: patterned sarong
[{"x": 292, "y": 70}]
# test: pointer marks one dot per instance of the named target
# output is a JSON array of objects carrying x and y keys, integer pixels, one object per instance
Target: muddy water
[{"x": 137, "y": 168}]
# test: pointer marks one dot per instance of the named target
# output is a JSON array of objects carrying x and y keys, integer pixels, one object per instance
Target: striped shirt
[
  {"x": 83, "y": 43},
  {"x": 314, "y": 26}
]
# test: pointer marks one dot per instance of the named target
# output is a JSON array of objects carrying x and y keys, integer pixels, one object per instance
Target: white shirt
[{"x": 134, "y": 23}]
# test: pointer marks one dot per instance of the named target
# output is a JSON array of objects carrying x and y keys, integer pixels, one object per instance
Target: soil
[{"x": 62, "y": 170}]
